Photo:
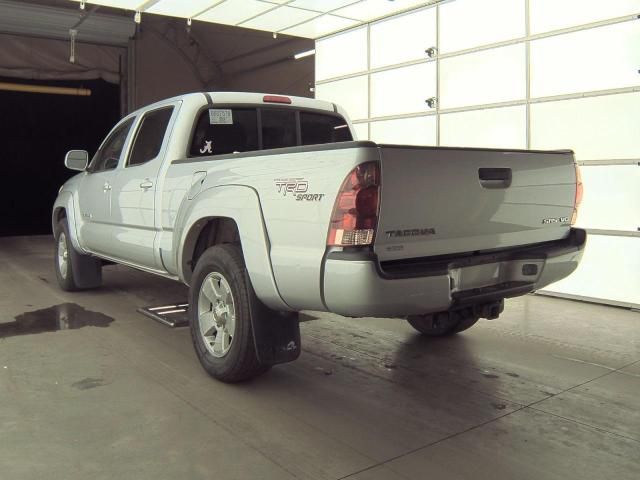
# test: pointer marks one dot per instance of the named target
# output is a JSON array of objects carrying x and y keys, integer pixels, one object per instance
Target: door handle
[
  {"x": 106, "y": 187},
  {"x": 146, "y": 184},
  {"x": 495, "y": 177}
]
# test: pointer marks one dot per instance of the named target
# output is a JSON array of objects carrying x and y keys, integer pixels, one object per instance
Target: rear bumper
[{"x": 356, "y": 284}]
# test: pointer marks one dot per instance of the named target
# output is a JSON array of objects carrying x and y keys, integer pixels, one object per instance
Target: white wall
[{"x": 513, "y": 74}]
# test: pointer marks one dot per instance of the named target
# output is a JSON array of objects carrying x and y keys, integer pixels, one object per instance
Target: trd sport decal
[
  {"x": 548, "y": 221},
  {"x": 297, "y": 188}
]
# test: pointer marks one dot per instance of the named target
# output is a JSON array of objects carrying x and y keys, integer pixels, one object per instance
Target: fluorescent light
[
  {"x": 19, "y": 87},
  {"x": 308, "y": 53}
]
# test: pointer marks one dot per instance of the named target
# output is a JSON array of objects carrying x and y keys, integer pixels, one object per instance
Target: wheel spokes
[
  {"x": 231, "y": 318},
  {"x": 62, "y": 255},
  {"x": 216, "y": 314},
  {"x": 207, "y": 324},
  {"x": 222, "y": 341},
  {"x": 209, "y": 291}
]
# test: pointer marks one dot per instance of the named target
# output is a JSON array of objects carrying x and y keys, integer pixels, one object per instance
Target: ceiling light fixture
[
  {"x": 18, "y": 87},
  {"x": 72, "y": 45},
  {"x": 137, "y": 17},
  {"x": 308, "y": 53}
]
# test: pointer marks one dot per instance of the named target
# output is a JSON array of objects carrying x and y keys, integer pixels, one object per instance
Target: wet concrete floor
[{"x": 89, "y": 388}]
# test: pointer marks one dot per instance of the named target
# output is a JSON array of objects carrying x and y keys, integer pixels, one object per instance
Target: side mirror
[{"x": 76, "y": 160}]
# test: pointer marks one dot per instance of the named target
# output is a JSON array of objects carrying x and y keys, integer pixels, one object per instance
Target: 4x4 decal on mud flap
[{"x": 297, "y": 188}]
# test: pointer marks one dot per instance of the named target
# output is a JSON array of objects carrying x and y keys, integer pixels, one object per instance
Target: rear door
[
  {"x": 94, "y": 192},
  {"x": 134, "y": 190},
  {"x": 440, "y": 201}
]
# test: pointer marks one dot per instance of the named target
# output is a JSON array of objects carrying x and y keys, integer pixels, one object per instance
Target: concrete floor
[{"x": 551, "y": 390}]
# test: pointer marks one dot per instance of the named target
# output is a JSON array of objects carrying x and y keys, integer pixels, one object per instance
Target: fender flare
[
  {"x": 241, "y": 204},
  {"x": 65, "y": 201}
]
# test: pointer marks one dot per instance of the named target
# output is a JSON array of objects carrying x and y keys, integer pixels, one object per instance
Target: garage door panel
[
  {"x": 485, "y": 77},
  {"x": 611, "y": 198},
  {"x": 342, "y": 54},
  {"x": 597, "y": 59},
  {"x": 469, "y": 23},
  {"x": 609, "y": 270},
  {"x": 491, "y": 128},
  {"x": 405, "y": 131},
  {"x": 548, "y": 15},
  {"x": 596, "y": 128},
  {"x": 403, "y": 90},
  {"x": 351, "y": 94},
  {"x": 402, "y": 39}
]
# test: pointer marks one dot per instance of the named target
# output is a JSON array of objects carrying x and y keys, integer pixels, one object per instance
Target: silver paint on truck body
[{"x": 432, "y": 196}]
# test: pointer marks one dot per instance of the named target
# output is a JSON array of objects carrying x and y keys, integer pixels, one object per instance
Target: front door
[
  {"x": 135, "y": 191},
  {"x": 94, "y": 192}
]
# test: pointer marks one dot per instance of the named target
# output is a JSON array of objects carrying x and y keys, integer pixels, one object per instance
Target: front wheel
[
  {"x": 220, "y": 315},
  {"x": 74, "y": 271}
]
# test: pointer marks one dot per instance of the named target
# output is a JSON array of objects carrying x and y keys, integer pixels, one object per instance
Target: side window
[
  {"x": 221, "y": 131},
  {"x": 149, "y": 136},
  {"x": 108, "y": 156},
  {"x": 279, "y": 128},
  {"x": 317, "y": 128}
]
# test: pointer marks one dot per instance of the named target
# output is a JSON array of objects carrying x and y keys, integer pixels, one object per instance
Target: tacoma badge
[{"x": 412, "y": 232}]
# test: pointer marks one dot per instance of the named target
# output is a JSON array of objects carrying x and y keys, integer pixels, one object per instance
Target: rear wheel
[
  {"x": 220, "y": 315},
  {"x": 443, "y": 323}
]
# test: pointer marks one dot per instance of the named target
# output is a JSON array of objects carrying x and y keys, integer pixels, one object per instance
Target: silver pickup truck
[{"x": 265, "y": 205}]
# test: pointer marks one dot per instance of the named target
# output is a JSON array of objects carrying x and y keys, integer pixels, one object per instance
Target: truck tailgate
[{"x": 440, "y": 201}]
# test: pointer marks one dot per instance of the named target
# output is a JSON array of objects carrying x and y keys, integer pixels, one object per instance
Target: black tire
[
  {"x": 442, "y": 324},
  {"x": 240, "y": 362},
  {"x": 74, "y": 271}
]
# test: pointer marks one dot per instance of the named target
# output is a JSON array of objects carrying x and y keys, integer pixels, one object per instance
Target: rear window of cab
[{"x": 220, "y": 131}]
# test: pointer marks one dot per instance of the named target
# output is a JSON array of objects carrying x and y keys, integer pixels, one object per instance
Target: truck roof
[{"x": 249, "y": 98}]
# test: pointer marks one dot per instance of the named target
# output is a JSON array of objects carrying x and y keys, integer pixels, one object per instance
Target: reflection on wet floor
[{"x": 66, "y": 316}]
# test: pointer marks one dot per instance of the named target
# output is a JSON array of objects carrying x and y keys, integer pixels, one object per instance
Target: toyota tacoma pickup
[{"x": 266, "y": 205}]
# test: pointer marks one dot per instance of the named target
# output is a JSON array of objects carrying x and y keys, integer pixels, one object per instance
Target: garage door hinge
[{"x": 72, "y": 54}]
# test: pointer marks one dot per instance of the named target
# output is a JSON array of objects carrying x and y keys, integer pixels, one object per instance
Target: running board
[{"x": 170, "y": 315}]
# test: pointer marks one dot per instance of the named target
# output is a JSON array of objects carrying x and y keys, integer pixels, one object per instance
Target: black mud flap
[
  {"x": 276, "y": 334},
  {"x": 87, "y": 271}
]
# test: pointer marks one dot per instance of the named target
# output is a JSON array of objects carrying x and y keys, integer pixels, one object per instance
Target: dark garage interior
[
  {"x": 38, "y": 130},
  {"x": 103, "y": 360}
]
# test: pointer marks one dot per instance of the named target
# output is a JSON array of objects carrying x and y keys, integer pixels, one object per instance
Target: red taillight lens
[
  {"x": 276, "y": 99},
  {"x": 355, "y": 213},
  {"x": 578, "y": 198}
]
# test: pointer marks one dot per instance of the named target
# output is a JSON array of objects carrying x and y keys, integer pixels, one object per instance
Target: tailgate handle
[{"x": 495, "y": 177}]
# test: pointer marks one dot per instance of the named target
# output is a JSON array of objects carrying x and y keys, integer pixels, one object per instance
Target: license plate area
[{"x": 491, "y": 274}]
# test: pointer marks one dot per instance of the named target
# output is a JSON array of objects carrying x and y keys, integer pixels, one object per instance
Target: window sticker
[
  {"x": 219, "y": 116},
  {"x": 207, "y": 147}
]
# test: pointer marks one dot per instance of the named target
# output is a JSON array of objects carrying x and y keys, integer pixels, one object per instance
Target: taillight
[
  {"x": 276, "y": 99},
  {"x": 579, "y": 193},
  {"x": 355, "y": 213}
]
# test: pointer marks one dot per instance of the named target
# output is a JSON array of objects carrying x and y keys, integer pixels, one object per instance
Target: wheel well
[
  {"x": 204, "y": 234},
  {"x": 58, "y": 215}
]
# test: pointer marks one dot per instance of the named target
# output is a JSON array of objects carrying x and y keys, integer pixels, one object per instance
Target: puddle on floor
[{"x": 67, "y": 316}]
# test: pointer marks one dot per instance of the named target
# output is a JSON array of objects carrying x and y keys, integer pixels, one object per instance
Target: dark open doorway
[{"x": 36, "y": 130}]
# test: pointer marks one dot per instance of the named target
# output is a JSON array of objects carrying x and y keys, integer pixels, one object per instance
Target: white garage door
[{"x": 513, "y": 74}]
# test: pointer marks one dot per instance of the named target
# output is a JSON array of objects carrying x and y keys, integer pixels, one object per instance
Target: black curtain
[{"x": 36, "y": 130}]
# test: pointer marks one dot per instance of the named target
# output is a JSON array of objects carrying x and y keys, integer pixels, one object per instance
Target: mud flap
[
  {"x": 276, "y": 334},
  {"x": 87, "y": 271}
]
